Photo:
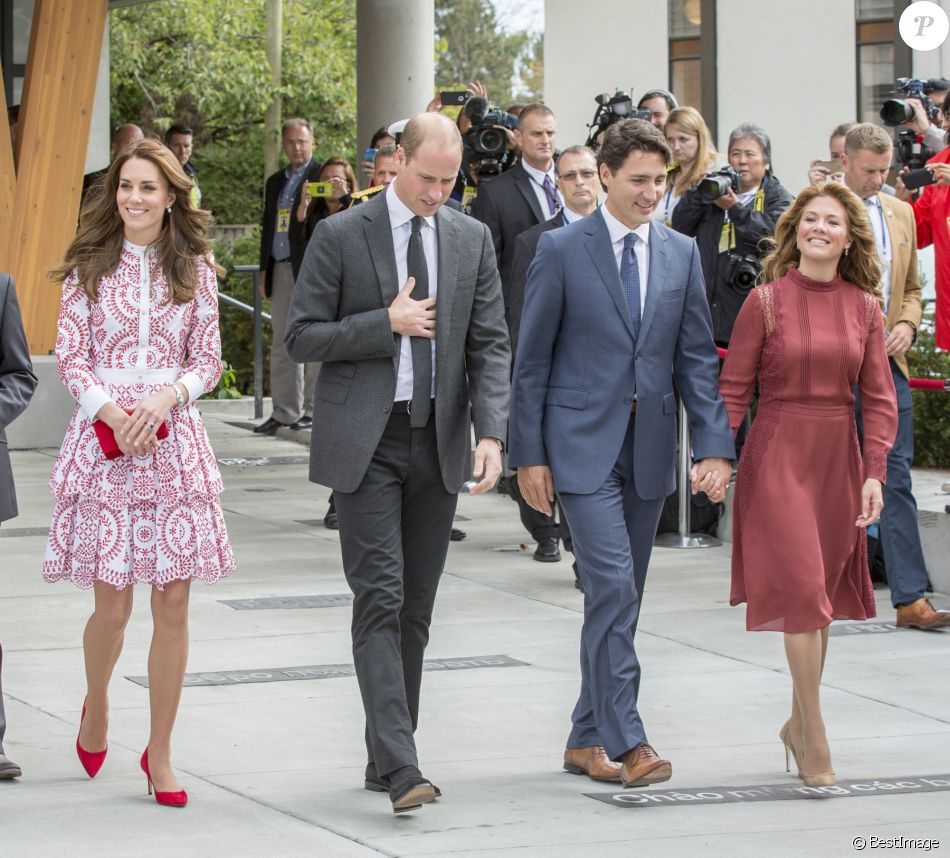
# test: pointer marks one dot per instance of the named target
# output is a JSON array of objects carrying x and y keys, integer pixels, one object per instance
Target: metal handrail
[{"x": 257, "y": 311}]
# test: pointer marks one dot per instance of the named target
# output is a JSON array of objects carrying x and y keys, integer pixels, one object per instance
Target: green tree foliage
[
  {"x": 471, "y": 45},
  {"x": 931, "y": 407},
  {"x": 203, "y": 62}
]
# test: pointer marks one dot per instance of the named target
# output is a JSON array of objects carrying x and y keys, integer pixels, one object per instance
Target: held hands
[
  {"x": 872, "y": 502},
  {"x": 486, "y": 467},
  {"x": 537, "y": 487},
  {"x": 410, "y": 317},
  {"x": 135, "y": 433},
  {"x": 899, "y": 339},
  {"x": 712, "y": 477}
]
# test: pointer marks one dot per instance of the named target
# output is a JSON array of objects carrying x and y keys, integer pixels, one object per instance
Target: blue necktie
[{"x": 630, "y": 279}]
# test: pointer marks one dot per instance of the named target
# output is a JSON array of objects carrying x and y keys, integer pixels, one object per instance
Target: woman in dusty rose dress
[
  {"x": 804, "y": 494},
  {"x": 137, "y": 343}
]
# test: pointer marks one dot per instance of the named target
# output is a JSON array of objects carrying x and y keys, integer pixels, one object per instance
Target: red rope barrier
[{"x": 915, "y": 383}]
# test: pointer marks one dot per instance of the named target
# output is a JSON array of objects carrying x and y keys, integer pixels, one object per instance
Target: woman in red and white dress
[{"x": 137, "y": 344}]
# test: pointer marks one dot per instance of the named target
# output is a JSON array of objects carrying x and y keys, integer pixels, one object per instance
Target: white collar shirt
[
  {"x": 537, "y": 185},
  {"x": 400, "y": 219},
  {"x": 883, "y": 240},
  {"x": 618, "y": 232}
]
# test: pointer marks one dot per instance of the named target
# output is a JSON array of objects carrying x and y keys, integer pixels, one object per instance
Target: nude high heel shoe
[
  {"x": 785, "y": 734},
  {"x": 822, "y": 779}
]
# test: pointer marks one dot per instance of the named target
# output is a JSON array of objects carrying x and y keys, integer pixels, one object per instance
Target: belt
[
  {"x": 404, "y": 406},
  {"x": 161, "y": 375},
  {"x": 282, "y": 261}
]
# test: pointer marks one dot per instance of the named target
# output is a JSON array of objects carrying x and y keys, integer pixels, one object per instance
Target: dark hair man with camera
[
  {"x": 523, "y": 197},
  {"x": 866, "y": 160},
  {"x": 614, "y": 312},
  {"x": 729, "y": 213}
]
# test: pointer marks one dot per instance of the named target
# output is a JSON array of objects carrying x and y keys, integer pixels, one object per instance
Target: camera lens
[
  {"x": 896, "y": 111},
  {"x": 714, "y": 187},
  {"x": 491, "y": 140}
]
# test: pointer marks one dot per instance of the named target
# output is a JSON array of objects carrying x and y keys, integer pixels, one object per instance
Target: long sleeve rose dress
[
  {"x": 154, "y": 518},
  {"x": 798, "y": 560}
]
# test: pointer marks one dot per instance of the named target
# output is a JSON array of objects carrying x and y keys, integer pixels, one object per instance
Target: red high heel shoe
[
  {"x": 91, "y": 760},
  {"x": 171, "y": 799}
]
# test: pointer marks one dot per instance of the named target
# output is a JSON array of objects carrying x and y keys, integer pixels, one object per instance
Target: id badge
[
  {"x": 468, "y": 198},
  {"x": 283, "y": 220},
  {"x": 727, "y": 238}
]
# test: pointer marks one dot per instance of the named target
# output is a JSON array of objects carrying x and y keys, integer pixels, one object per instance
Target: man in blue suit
[{"x": 615, "y": 311}]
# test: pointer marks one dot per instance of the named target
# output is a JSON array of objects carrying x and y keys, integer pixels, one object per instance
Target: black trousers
[{"x": 394, "y": 535}]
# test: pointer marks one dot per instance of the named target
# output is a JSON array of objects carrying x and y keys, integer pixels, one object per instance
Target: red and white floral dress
[{"x": 154, "y": 518}]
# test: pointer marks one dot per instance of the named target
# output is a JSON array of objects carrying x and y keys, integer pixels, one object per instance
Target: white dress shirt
[
  {"x": 618, "y": 232},
  {"x": 883, "y": 240},
  {"x": 537, "y": 184},
  {"x": 400, "y": 218},
  {"x": 570, "y": 216}
]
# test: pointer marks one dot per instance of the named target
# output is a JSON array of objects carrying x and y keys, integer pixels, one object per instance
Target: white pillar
[{"x": 395, "y": 63}]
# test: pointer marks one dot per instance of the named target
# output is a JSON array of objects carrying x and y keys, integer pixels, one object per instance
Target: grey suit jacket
[
  {"x": 17, "y": 383},
  {"x": 339, "y": 316}
]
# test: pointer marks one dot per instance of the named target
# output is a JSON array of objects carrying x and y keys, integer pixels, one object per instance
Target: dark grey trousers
[
  {"x": 394, "y": 535},
  {"x": 3, "y": 718}
]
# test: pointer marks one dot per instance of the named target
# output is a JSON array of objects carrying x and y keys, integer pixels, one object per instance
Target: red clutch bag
[{"x": 107, "y": 437}]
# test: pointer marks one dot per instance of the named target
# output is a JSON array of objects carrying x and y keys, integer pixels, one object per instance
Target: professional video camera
[
  {"x": 744, "y": 270},
  {"x": 719, "y": 183},
  {"x": 897, "y": 111},
  {"x": 485, "y": 146},
  {"x": 611, "y": 109},
  {"x": 911, "y": 151}
]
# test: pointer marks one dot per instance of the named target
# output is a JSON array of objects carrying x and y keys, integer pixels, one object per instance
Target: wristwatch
[{"x": 178, "y": 395}]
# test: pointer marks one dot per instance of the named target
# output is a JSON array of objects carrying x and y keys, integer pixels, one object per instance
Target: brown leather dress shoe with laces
[
  {"x": 642, "y": 767},
  {"x": 921, "y": 615},
  {"x": 593, "y": 762}
]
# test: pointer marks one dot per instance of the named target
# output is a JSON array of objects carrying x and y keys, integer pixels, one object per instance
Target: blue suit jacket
[{"x": 578, "y": 367}]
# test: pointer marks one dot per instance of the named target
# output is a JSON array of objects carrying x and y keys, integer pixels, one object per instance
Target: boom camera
[
  {"x": 485, "y": 144},
  {"x": 611, "y": 109}
]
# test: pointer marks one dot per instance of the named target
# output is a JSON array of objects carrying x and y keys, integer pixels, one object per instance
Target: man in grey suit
[
  {"x": 615, "y": 310},
  {"x": 17, "y": 383},
  {"x": 400, "y": 300}
]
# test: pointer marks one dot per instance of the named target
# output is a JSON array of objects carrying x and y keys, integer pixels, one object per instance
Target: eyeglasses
[{"x": 573, "y": 176}]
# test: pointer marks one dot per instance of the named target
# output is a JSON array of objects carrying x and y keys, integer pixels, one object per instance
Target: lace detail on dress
[
  {"x": 771, "y": 384},
  {"x": 867, "y": 303},
  {"x": 767, "y": 299}
]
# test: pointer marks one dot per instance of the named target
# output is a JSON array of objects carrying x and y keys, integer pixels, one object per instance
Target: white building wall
[
  {"x": 791, "y": 68},
  {"x": 600, "y": 46}
]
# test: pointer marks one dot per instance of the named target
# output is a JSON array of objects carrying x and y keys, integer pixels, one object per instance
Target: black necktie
[{"x": 421, "y": 347}]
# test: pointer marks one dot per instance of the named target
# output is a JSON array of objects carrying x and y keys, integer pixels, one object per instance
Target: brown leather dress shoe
[
  {"x": 593, "y": 762},
  {"x": 642, "y": 767},
  {"x": 921, "y": 615}
]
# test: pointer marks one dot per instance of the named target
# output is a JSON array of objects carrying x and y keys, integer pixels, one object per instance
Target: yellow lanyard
[{"x": 727, "y": 238}]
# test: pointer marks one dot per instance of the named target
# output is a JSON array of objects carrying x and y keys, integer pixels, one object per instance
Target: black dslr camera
[
  {"x": 485, "y": 147},
  {"x": 744, "y": 270},
  {"x": 719, "y": 183},
  {"x": 611, "y": 109},
  {"x": 897, "y": 111},
  {"x": 910, "y": 151}
]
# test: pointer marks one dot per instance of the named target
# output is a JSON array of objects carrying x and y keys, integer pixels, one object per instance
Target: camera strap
[{"x": 727, "y": 238}]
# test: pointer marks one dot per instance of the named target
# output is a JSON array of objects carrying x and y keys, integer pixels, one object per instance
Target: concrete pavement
[{"x": 275, "y": 767}]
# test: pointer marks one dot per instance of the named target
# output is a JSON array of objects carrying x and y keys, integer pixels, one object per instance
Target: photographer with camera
[
  {"x": 820, "y": 171},
  {"x": 660, "y": 103},
  {"x": 728, "y": 213},
  {"x": 920, "y": 111},
  {"x": 693, "y": 158}
]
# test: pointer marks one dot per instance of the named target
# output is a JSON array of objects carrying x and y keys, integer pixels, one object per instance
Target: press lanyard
[{"x": 727, "y": 238}]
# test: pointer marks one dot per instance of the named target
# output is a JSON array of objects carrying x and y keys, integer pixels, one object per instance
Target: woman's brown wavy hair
[
  {"x": 861, "y": 266},
  {"x": 96, "y": 249}
]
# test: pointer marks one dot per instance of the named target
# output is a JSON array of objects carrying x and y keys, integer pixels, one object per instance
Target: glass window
[
  {"x": 687, "y": 82},
  {"x": 685, "y": 18},
  {"x": 871, "y": 10},
  {"x": 22, "y": 25},
  {"x": 876, "y": 76}
]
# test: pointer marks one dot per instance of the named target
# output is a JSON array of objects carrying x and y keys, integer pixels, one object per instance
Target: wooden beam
[
  {"x": 55, "y": 116},
  {"x": 7, "y": 181}
]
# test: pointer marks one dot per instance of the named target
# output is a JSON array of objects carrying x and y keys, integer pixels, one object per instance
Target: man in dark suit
[
  {"x": 615, "y": 310},
  {"x": 523, "y": 197},
  {"x": 291, "y": 388},
  {"x": 17, "y": 383},
  {"x": 579, "y": 185},
  {"x": 401, "y": 378}
]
